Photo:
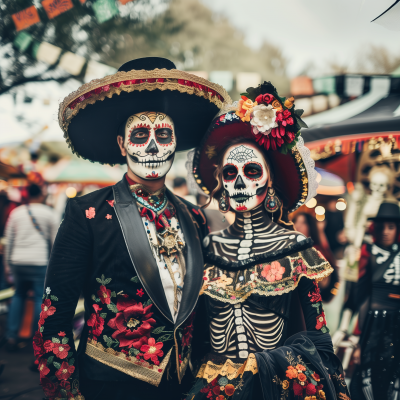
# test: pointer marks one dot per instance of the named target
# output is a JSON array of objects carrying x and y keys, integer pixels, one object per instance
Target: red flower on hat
[
  {"x": 47, "y": 309},
  {"x": 65, "y": 371},
  {"x": 104, "y": 295},
  {"x": 61, "y": 350},
  {"x": 132, "y": 324},
  {"x": 152, "y": 350}
]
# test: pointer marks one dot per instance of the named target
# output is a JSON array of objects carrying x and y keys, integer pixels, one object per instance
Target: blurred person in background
[
  {"x": 30, "y": 232},
  {"x": 307, "y": 225},
  {"x": 377, "y": 300},
  {"x": 334, "y": 228}
]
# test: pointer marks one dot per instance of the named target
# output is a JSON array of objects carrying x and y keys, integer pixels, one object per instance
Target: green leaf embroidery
[
  {"x": 102, "y": 277},
  {"x": 180, "y": 335},
  {"x": 57, "y": 365},
  {"x": 103, "y": 315},
  {"x": 112, "y": 307},
  {"x": 54, "y": 298},
  {"x": 135, "y": 279},
  {"x": 43, "y": 297},
  {"x": 64, "y": 340},
  {"x": 108, "y": 340},
  {"x": 97, "y": 300},
  {"x": 55, "y": 340},
  {"x": 70, "y": 354},
  {"x": 93, "y": 297},
  {"x": 41, "y": 329},
  {"x": 107, "y": 281},
  {"x": 133, "y": 351},
  {"x": 147, "y": 303},
  {"x": 74, "y": 391},
  {"x": 113, "y": 294},
  {"x": 63, "y": 393},
  {"x": 99, "y": 281},
  {"x": 316, "y": 305},
  {"x": 324, "y": 329},
  {"x": 164, "y": 338},
  {"x": 71, "y": 361},
  {"x": 158, "y": 330},
  {"x": 50, "y": 360}
]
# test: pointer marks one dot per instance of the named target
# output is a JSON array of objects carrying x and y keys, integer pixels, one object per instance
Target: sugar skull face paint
[
  {"x": 150, "y": 143},
  {"x": 245, "y": 176}
]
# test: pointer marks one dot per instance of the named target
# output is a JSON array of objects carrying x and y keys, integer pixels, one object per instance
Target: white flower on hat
[{"x": 264, "y": 119}]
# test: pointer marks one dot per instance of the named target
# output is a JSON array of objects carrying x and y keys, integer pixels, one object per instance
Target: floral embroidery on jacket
[
  {"x": 90, "y": 213},
  {"x": 316, "y": 299}
]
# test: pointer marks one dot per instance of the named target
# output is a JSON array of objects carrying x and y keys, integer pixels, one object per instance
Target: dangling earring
[
  {"x": 223, "y": 203},
  {"x": 272, "y": 202}
]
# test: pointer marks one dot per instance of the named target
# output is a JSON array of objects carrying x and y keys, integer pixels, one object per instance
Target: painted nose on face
[
  {"x": 239, "y": 184},
  {"x": 152, "y": 148}
]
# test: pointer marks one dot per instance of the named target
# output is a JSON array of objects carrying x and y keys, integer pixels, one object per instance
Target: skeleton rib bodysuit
[{"x": 258, "y": 323}]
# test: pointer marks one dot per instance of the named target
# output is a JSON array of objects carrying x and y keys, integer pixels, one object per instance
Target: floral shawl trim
[
  {"x": 129, "y": 365},
  {"x": 266, "y": 279},
  {"x": 218, "y": 261}
]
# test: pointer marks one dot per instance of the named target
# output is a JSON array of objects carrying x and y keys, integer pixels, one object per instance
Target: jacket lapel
[
  {"x": 138, "y": 246},
  {"x": 193, "y": 257}
]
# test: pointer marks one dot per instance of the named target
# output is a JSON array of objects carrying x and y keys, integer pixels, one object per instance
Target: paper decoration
[
  {"x": 22, "y": 41},
  {"x": 223, "y": 78},
  {"x": 301, "y": 85},
  {"x": 245, "y": 80},
  {"x": 54, "y": 8},
  {"x": 201, "y": 74},
  {"x": 96, "y": 70},
  {"x": 72, "y": 63},
  {"x": 105, "y": 10},
  {"x": 26, "y": 18},
  {"x": 47, "y": 53}
]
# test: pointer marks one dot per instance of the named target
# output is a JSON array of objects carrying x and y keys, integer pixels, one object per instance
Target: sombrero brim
[
  {"x": 289, "y": 171},
  {"x": 91, "y": 116}
]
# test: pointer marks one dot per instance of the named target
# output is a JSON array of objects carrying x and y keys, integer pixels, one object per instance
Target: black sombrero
[
  {"x": 387, "y": 211},
  {"x": 91, "y": 116}
]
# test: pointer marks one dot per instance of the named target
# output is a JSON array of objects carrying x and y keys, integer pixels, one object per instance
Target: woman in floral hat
[{"x": 260, "y": 277}]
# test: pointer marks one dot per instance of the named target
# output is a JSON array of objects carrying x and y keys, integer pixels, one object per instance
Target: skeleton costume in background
[{"x": 260, "y": 275}]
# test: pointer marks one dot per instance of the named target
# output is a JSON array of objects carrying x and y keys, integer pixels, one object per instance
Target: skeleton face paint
[
  {"x": 245, "y": 176},
  {"x": 150, "y": 143}
]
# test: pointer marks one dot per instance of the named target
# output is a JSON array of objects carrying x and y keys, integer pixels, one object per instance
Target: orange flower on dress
[
  {"x": 229, "y": 389},
  {"x": 315, "y": 376},
  {"x": 291, "y": 373},
  {"x": 220, "y": 397},
  {"x": 245, "y": 108},
  {"x": 301, "y": 377},
  {"x": 300, "y": 367},
  {"x": 321, "y": 395},
  {"x": 285, "y": 384},
  {"x": 273, "y": 272}
]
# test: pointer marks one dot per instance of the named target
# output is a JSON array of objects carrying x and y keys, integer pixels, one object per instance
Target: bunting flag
[
  {"x": 96, "y": 70},
  {"x": 245, "y": 80},
  {"x": 105, "y": 10},
  {"x": 54, "y": 8},
  {"x": 46, "y": 52},
  {"x": 22, "y": 41},
  {"x": 72, "y": 63},
  {"x": 25, "y": 18},
  {"x": 223, "y": 78}
]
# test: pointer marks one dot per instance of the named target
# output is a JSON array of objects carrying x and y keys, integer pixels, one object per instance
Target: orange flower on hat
[
  {"x": 291, "y": 373},
  {"x": 301, "y": 377},
  {"x": 245, "y": 108}
]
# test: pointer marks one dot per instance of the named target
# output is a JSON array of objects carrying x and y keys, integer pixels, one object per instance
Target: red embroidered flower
[
  {"x": 66, "y": 385},
  {"x": 62, "y": 334},
  {"x": 310, "y": 389},
  {"x": 108, "y": 216},
  {"x": 187, "y": 331},
  {"x": 152, "y": 350},
  {"x": 132, "y": 324},
  {"x": 315, "y": 296},
  {"x": 61, "y": 350},
  {"x": 140, "y": 292},
  {"x": 96, "y": 322},
  {"x": 47, "y": 309},
  {"x": 49, "y": 387},
  {"x": 216, "y": 390},
  {"x": 65, "y": 371},
  {"x": 273, "y": 272},
  {"x": 48, "y": 346},
  {"x": 38, "y": 348},
  {"x": 321, "y": 321},
  {"x": 90, "y": 213},
  {"x": 110, "y": 202},
  {"x": 104, "y": 295},
  {"x": 43, "y": 369},
  {"x": 316, "y": 377},
  {"x": 297, "y": 389}
]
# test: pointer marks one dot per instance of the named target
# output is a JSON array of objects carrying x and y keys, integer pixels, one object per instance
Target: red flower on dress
[
  {"x": 310, "y": 389},
  {"x": 62, "y": 334},
  {"x": 297, "y": 389},
  {"x": 47, "y": 309},
  {"x": 187, "y": 331},
  {"x": 321, "y": 321},
  {"x": 152, "y": 350},
  {"x": 140, "y": 292},
  {"x": 43, "y": 369},
  {"x": 66, "y": 385},
  {"x": 65, "y": 371},
  {"x": 38, "y": 348},
  {"x": 49, "y": 387},
  {"x": 315, "y": 296},
  {"x": 61, "y": 350},
  {"x": 110, "y": 202},
  {"x": 48, "y": 346},
  {"x": 90, "y": 213},
  {"x": 96, "y": 322},
  {"x": 108, "y": 216},
  {"x": 132, "y": 324},
  {"x": 104, "y": 295}
]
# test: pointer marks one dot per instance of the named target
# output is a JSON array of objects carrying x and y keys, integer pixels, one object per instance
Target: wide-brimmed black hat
[
  {"x": 91, "y": 116},
  {"x": 388, "y": 211}
]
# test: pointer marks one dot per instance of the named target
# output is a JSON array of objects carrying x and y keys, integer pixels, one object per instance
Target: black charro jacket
[{"x": 102, "y": 251}]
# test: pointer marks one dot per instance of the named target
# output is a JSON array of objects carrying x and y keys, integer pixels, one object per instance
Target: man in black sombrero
[{"x": 133, "y": 249}]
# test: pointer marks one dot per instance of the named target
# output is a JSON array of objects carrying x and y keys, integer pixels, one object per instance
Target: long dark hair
[{"x": 312, "y": 227}]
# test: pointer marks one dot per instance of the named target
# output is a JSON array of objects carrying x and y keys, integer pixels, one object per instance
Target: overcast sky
[{"x": 311, "y": 30}]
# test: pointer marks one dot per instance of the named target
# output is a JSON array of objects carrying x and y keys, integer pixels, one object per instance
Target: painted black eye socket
[
  {"x": 139, "y": 135},
  {"x": 229, "y": 172},
  {"x": 164, "y": 135},
  {"x": 253, "y": 171}
]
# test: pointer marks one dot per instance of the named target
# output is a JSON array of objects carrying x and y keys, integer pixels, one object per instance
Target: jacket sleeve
[
  {"x": 54, "y": 342},
  {"x": 311, "y": 303}
]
